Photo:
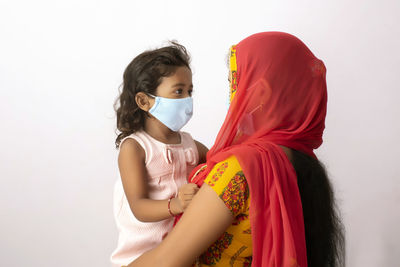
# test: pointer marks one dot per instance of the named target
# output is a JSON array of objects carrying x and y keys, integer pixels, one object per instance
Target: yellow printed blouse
[{"x": 234, "y": 247}]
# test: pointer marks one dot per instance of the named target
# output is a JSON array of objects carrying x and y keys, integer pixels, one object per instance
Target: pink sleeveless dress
[{"x": 168, "y": 166}]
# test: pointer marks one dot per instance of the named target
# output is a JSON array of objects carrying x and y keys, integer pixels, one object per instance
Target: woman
[{"x": 265, "y": 199}]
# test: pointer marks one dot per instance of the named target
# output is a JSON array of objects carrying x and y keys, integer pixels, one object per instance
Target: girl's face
[{"x": 178, "y": 85}]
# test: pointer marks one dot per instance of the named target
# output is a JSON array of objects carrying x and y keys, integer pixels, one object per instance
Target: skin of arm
[
  {"x": 131, "y": 162},
  {"x": 203, "y": 223},
  {"x": 202, "y": 149}
]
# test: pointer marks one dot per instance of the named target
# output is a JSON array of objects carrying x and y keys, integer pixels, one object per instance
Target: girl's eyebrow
[{"x": 181, "y": 84}]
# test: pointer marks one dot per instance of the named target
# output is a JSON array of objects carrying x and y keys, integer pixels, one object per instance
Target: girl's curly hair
[{"x": 144, "y": 74}]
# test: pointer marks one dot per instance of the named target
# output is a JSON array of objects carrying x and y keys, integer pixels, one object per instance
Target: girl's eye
[
  {"x": 190, "y": 92},
  {"x": 179, "y": 91}
]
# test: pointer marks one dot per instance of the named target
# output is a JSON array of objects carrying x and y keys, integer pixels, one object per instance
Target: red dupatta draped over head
[{"x": 280, "y": 99}]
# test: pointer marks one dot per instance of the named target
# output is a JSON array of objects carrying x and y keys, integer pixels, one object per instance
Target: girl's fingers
[{"x": 191, "y": 191}]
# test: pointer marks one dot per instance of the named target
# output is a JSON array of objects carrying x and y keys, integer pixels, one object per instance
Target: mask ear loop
[{"x": 153, "y": 96}]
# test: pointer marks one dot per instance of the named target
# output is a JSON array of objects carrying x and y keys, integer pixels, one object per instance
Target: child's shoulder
[
  {"x": 136, "y": 145},
  {"x": 131, "y": 150},
  {"x": 132, "y": 142}
]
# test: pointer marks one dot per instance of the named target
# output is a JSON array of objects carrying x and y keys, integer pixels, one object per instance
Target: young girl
[{"x": 155, "y": 158}]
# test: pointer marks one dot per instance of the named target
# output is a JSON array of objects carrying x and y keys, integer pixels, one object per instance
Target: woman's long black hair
[{"x": 323, "y": 228}]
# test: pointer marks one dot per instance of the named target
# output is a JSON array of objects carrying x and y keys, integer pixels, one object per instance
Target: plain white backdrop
[{"x": 61, "y": 63}]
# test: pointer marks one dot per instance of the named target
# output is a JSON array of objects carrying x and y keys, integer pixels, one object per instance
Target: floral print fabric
[{"x": 234, "y": 247}]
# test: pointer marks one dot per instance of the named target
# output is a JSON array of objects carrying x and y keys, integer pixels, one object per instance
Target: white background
[{"x": 61, "y": 63}]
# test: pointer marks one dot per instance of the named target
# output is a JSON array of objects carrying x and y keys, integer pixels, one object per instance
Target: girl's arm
[
  {"x": 131, "y": 162},
  {"x": 203, "y": 222},
  {"x": 202, "y": 149}
]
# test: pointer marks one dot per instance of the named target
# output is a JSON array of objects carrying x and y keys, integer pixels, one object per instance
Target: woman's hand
[{"x": 185, "y": 195}]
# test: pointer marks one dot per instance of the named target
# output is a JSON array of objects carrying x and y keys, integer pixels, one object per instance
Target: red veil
[{"x": 280, "y": 100}]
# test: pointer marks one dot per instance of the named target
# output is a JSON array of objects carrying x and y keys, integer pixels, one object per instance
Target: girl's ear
[{"x": 143, "y": 101}]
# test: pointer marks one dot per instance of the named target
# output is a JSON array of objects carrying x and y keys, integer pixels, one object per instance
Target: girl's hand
[{"x": 185, "y": 195}]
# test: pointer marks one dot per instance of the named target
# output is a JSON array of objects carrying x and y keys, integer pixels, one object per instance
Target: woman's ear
[{"x": 143, "y": 101}]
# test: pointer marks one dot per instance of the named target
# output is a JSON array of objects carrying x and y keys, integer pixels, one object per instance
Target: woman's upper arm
[{"x": 133, "y": 170}]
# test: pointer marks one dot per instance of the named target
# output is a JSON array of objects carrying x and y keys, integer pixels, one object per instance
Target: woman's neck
[{"x": 160, "y": 132}]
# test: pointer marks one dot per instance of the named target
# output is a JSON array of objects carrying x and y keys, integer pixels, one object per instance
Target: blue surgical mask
[{"x": 172, "y": 112}]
